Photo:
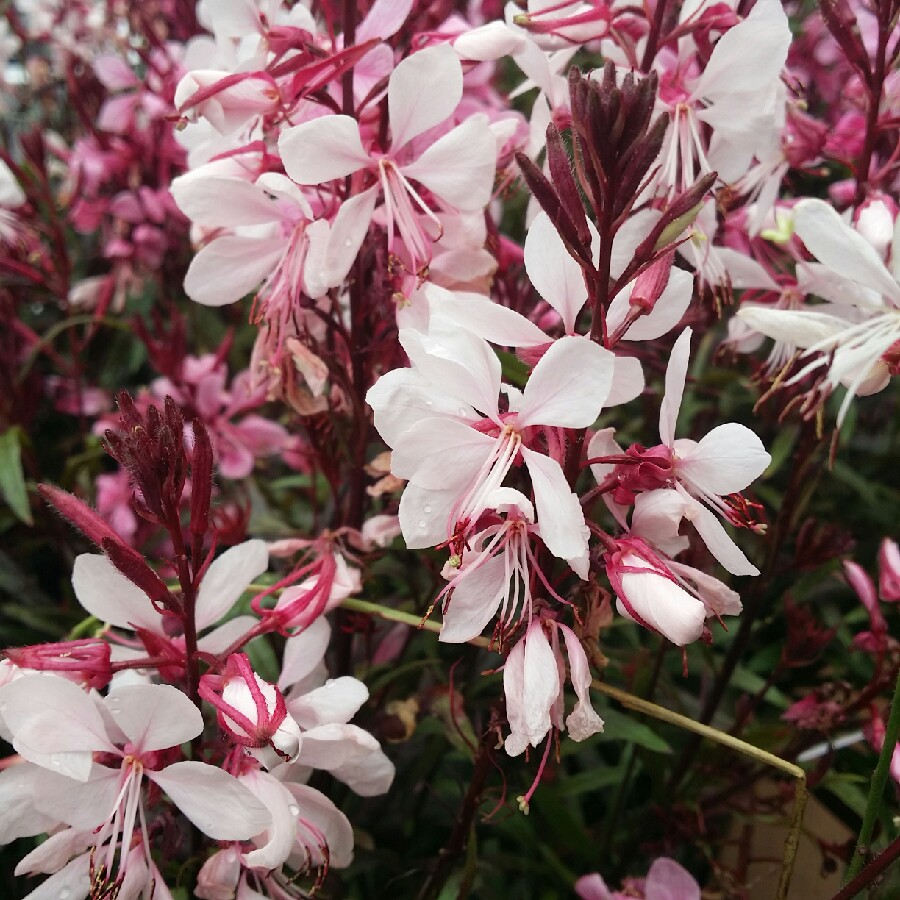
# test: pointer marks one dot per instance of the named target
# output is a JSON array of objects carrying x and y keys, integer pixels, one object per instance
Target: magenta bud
[
  {"x": 85, "y": 661},
  {"x": 250, "y": 710},
  {"x": 76, "y": 511}
]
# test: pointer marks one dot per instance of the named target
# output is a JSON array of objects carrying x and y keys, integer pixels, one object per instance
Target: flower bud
[
  {"x": 85, "y": 662},
  {"x": 251, "y": 711},
  {"x": 648, "y": 592}
]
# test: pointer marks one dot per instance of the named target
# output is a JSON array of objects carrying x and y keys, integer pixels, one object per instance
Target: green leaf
[
  {"x": 846, "y": 788},
  {"x": 12, "y": 478},
  {"x": 514, "y": 371}
]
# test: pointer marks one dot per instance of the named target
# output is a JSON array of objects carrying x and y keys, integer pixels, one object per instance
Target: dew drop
[
  {"x": 427, "y": 509},
  {"x": 348, "y": 243},
  {"x": 294, "y": 810},
  {"x": 421, "y": 523},
  {"x": 64, "y": 894},
  {"x": 55, "y": 763},
  {"x": 462, "y": 411},
  {"x": 429, "y": 402}
]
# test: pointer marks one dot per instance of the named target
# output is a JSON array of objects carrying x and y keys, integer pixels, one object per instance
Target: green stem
[{"x": 876, "y": 789}]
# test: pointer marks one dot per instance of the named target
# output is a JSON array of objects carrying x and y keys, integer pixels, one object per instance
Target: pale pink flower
[
  {"x": 57, "y": 726},
  {"x": 854, "y": 335},
  {"x": 452, "y": 443},
  {"x": 666, "y": 880},
  {"x": 457, "y": 169},
  {"x": 533, "y": 680}
]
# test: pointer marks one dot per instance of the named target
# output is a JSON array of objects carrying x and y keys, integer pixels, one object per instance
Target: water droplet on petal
[
  {"x": 64, "y": 894},
  {"x": 55, "y": 763},
  {"x": 421, "y": 523},
  {"x": 294, "y": 810},
  {"x": 429, "y": 402},
  {"x": 348, "y": 243},
  {"x": 427, "y": 509},
  {"x": 462, "y": 411}
]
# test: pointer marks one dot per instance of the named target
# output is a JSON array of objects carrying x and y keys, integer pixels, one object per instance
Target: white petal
[
  {"x": 560, "y": 516},
  {"x": 54, "y": 723},
  {"x": 347, "y": 233},
  {"x": 107, "y": 594},
  {"x": 569, "y": 385},
  {"x": 553, "y": 271},
  {"x": 154, "y": 716},
  {"x": 229, "y": 267},
  {"x": 802, "y": 328},
  {"x": 276, "y": 843},
  {"x": 531, "y": 685},
  {"x": 841, "y": 248},
  {"x": 736, "y": 65},
  {"x": 475, "y": 601},
  {"x": 216, "y": 202},
  {"x": 425, "y": 515},
  {"x": 442, "y": 454},
  {"x": 716, "y": 538},
  {"x": 725, "y": 461},
  {"x": 583, "y": 721},
  {"x": 216, "y": 802},
  {"x": 303, "y": 653},
  {"x": 666, "y": 606},
  {"x": 676, "y": 373},
  {"x": 72, "y": 882},
  {"x": 220, "y": 639},
  {"x": 20, "y": 818},
  {"x": 423, "y": 91},
  {"x": 337, "y": 701},
  {"x": 350, "y": 754},
  {"x": 459, "y": 167},
  {"x": 227, "y": 578},
  {"x": 666, "y": 313},
  {"x": 627, "y": 381},
  {"x": 83, "y": 805},
  {"x": 323, "y": 149},
  {"x": 317, "y": 810}
]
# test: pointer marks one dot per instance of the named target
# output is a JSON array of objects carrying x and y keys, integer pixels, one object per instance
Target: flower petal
[
  {"x": 154, "y": 716},
  {"x": 230, "y": 267},
  {"x": 227, "y": 578},
  {"x": 423, "y": 91},
  {"x": 475, "y": 600},
  {"x": 323, "y": 149},
  {"x": 725, "y": 461},
  {"x": 840, "y": 247},
  {"x": 216, "y": 802},
  {"x": 569, "y": 385},
  {"x": 676, "y": 373},
  {"x": 107, "y": 594}
]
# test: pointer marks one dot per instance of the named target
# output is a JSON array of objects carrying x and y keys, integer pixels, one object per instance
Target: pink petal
[
  {"x": 230, "y": 267},
  {"x": 323, "y": 149},
  {"x": 667, "y": 880},
  {"x": 383, "y": 19},
  {"x": 568, "y": 386},
  {"x": 582, "y": 722},
  {"x": 72, "y": 882},
  {"x": 154, "y": 716},
  {"x": 676, "y": 373},
  {"x": 107, "y": 594},
  {"x": 592, "y": 887},
  {"x": 227, "y": 578},
  {"x": 216, "y": 802},
  {"x": 663, "y": 605},
  {"x": 423, "y": 91}
]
